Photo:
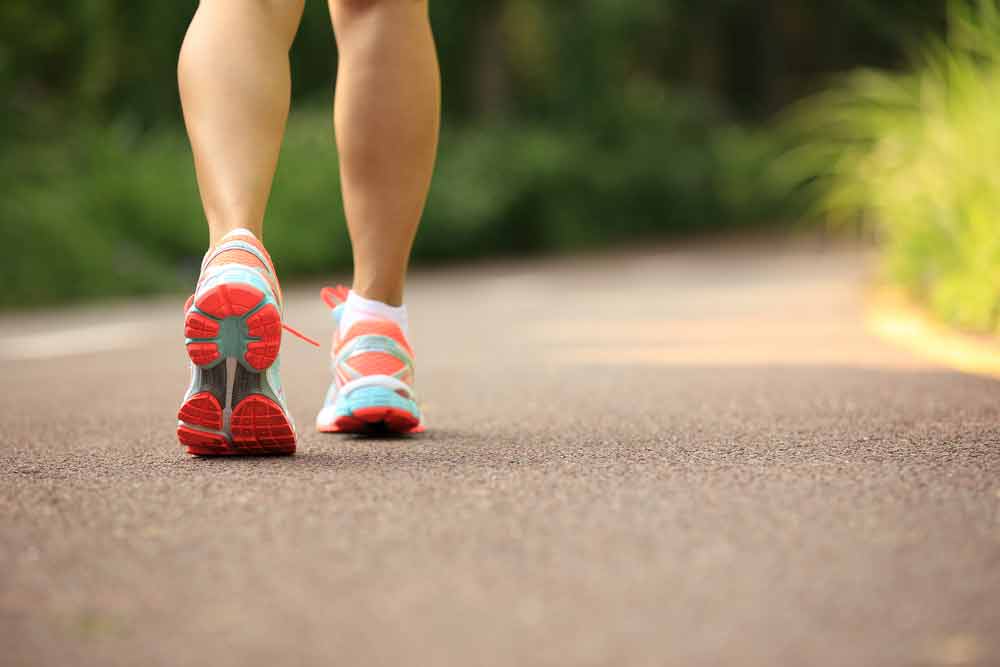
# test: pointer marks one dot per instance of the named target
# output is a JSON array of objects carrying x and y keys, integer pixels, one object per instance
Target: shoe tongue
[{"x": 334, "y": 296}]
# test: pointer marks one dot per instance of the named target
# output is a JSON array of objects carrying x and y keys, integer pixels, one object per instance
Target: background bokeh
[{"x": 567, "y": 125}]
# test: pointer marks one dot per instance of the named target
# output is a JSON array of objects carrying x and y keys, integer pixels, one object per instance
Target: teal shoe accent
[{"x": 374, "y": 397}]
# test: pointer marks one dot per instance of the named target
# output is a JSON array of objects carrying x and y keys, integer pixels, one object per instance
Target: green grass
[
  {"x": 917, "y": 156},
  {"x": 115, "y": 211}
]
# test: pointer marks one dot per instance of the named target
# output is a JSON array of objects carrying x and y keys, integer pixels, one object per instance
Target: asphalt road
[{"x": 687, "y": 456}]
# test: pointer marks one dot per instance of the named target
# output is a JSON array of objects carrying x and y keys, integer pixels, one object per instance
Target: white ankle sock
[{"x": 358, "y": 308}]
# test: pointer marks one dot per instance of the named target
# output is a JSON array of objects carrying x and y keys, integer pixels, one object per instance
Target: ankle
[
  {"x": 240, "y": 246},
  {"x": 219, "y": 233},
  {"x": 390, "y": 297},
  {"x": 358, "y": 308},
  {"x": 238, "y": 233}
]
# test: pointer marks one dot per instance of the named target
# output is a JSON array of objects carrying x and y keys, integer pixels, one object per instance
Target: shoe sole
[
  {"x": 372, "y": 410},
  {"x": 233, "y": 320},
  {"x": 377, "y": 420}
]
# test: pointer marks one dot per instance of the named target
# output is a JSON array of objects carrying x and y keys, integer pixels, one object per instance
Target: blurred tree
[
  {"x": 97, "y": 59},
  {"x": 566, "y": 124}
]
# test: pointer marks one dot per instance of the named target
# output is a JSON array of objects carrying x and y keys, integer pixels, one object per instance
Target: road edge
[{"x": 892, "y": 317}]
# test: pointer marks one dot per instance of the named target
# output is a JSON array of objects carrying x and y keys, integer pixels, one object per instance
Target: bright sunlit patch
[
  {"x": 724, "y": 341},
  {"x": 78, "y": 340},
  {"x": 910, "y": 329}
]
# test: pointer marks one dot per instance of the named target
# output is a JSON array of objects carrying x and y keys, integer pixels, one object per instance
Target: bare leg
[
  {"x": 386, "y": 117},
  {"x": 235, "y": 88}
]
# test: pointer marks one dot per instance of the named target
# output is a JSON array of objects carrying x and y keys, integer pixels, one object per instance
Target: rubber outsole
[
  {"x": 203, "y": 443},
  {"x": 373, "y": 409},
  {"x": 237, "y": 306},
  {"x": 259, "y": 427},
  {"x": 234, "y": 320},
  {"x": 203, "y": 410},
  {"x": 377, "y": 420}
]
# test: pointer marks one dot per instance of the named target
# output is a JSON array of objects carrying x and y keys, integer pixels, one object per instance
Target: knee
[
  {"x": 283, "y": 15},
  {"x": 364, "y": 6},
  {"x": 277, "y": 7},
  {"x": 281, "y": 12},
  {"x": 282, "y": 8}
]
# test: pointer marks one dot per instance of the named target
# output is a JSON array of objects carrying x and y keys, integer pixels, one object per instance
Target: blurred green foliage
[
  {"x": 566, "y": 125},
  {"x": 916, "y": 155}
]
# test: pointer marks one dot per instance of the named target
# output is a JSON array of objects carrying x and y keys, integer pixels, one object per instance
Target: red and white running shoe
[
  {"x": 372, "y": 388},
  {"x": 232, "y": 327}
]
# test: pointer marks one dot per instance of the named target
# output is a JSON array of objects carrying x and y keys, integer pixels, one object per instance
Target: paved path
[{"x": 693, "y": 456}]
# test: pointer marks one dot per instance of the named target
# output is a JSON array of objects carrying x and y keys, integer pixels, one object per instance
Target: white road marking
[{"x": 79, "y": 340}]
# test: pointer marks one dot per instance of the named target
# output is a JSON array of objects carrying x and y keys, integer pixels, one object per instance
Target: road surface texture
[{"x": 685, "y": 456}]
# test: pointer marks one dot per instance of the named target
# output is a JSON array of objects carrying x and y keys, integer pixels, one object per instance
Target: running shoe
[
  {"x": 372, "y": 388},
  {"x": 232, "y": 326}
]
